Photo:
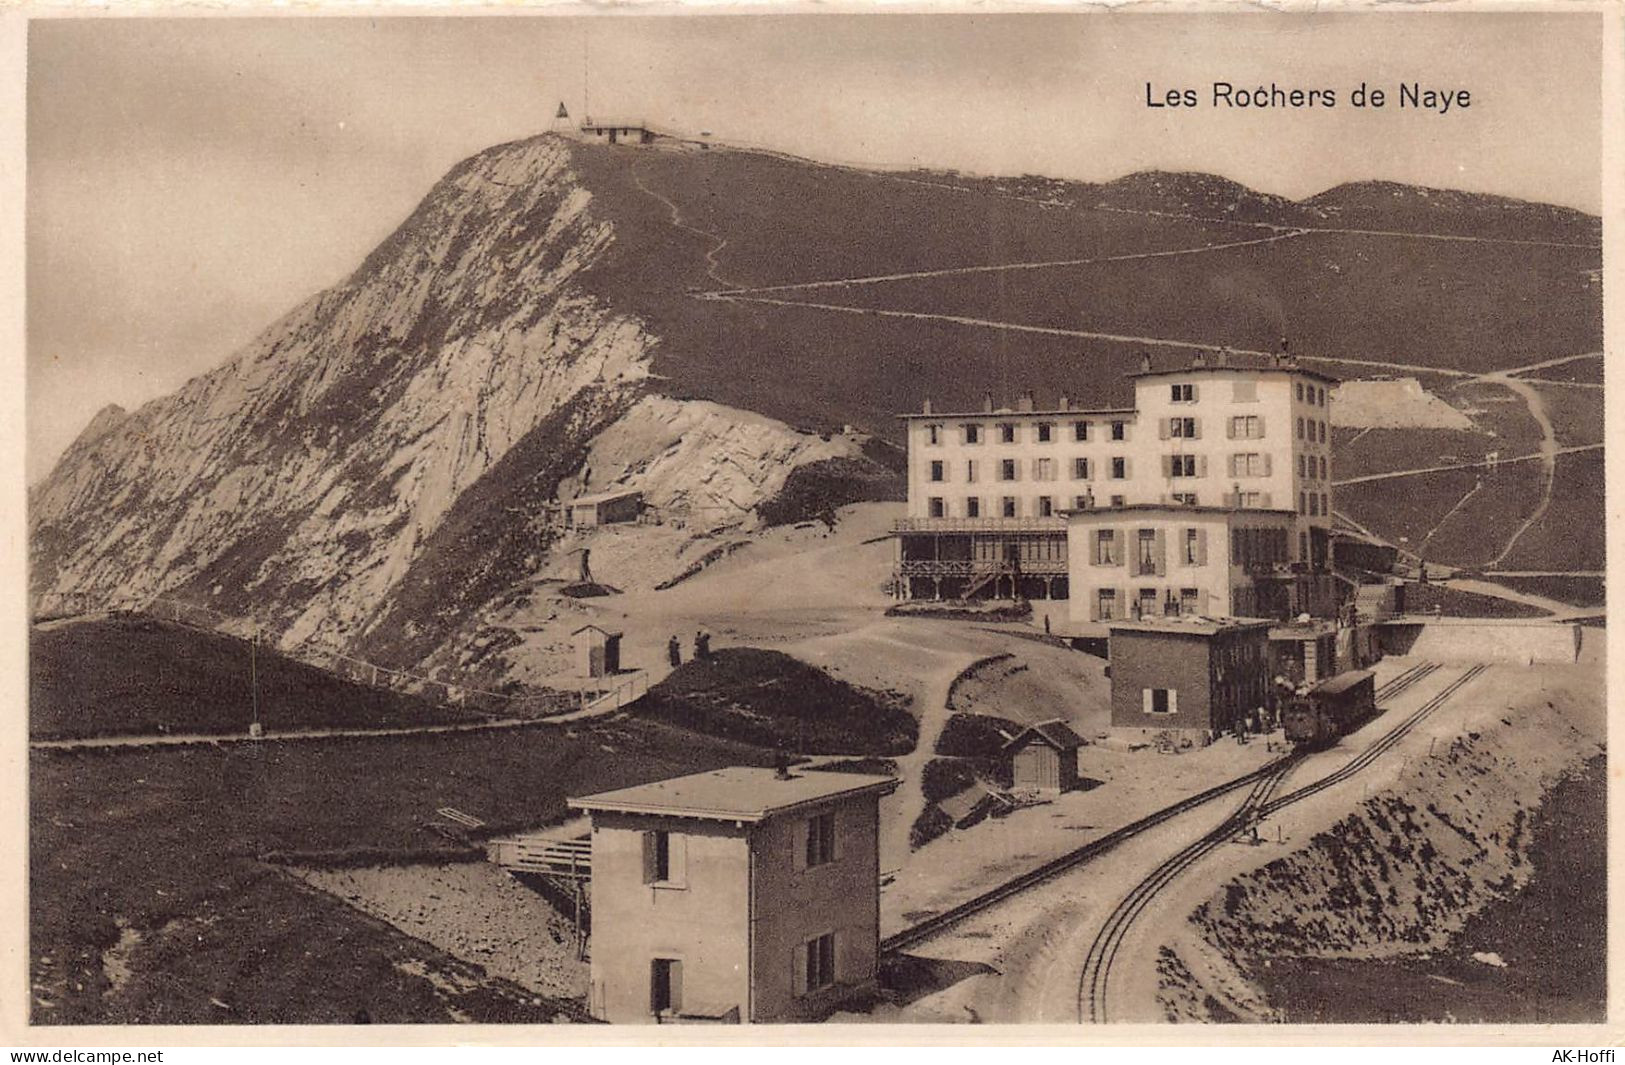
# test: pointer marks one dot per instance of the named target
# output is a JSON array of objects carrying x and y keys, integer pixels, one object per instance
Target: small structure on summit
[
  {"x": 1044, "y": 758},
  {"x": 598, "y": 651},
  {"x": 739, "y": 895},
  {"x": 619, "y": 132}
]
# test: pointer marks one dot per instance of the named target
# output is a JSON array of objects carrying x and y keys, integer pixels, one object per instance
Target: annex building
[{"x": 1211, "y": 495}]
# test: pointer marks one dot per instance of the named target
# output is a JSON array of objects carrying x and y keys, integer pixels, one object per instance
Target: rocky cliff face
[{"x": 399, "y": 439}]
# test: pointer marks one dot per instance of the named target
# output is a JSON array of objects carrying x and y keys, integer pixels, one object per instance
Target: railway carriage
[{"x": 1330, "y": 709}]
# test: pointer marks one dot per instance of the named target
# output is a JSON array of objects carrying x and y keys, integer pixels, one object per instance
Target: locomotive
[{"x": 1333, "y": 708}]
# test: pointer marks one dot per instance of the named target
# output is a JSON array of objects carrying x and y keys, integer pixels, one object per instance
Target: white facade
[{"x": 1249, "y": 438}]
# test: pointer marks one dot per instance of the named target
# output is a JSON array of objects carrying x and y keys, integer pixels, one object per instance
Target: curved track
[
  {"x": 1260, "y": 803},
  {"x": 1271, "y": 772}
]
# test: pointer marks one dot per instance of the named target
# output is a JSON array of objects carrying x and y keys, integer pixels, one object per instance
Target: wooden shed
[
  {"x": 598, "y": 651},
  {"x": 604, "y": 508},
  {"x": 1044, "y": 758}
]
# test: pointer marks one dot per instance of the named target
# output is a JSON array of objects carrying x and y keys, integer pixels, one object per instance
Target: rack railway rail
[
  {"x": 1271, "y": 773},
  {"x": 1097, "y": 967}
]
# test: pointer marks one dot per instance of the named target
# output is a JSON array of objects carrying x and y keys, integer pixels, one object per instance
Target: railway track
[
  {"x": 1273, "y": 772},
  {"x": 1259, "y": 803}
]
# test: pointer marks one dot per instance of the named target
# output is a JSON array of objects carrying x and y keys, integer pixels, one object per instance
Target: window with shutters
[
  {"x": 1314, "y": 504},
  {"x": 1182, "y": 428},
  {"x": 970, "y": 471},
  {"x": 1322, "y": 432},
  {"x": 1105, "y": 547},
  {"x": 1159, "y": 700},
  {"x": 1106, "y": 604},
  {"x": 1303, "y": 465},
  {"x": 1182, "y": 393},
  {"x": 973, "y": 433},
  {"x": 1300, "y": 428},
  {"x": 1249, "y": 499},
  {"x": 1080, "y": 502},
  {"x": 1118, "y": 501},
  {"x": 1119, "y": 430},
  {"x": 1300, "y": 390},
  {"x": 1007, "y": 432},
  {"x": 1007, "y": 506},
  {"x": 937, "y": 509},
  {"x": 1119, "y": 468},
  {"x": 663, "y": 859},
  {"x": 1080, "y": 469},
  {"x": 1247, "y": 464},
  {"x": 1323, "y": 467},
  {"x": 1184, "y": 499},
  {"x": 1303, "y": 503},
  {"x": 1192, "y": 553},
  {"x": 820, "y": 839},
  {"x": 1043, "y": 469},
  {"x": 933, "y": 434},
  {"x": 1046, "y": 507},
  {"x": 1007, "y": 469},
  {"x": 1147, "y": 556},
  {"x": 1189, "y": 601},
  {"x": 1246, "y": 427},
  {"x": 1080, "y": 431},
  {"x": 1182, "y": 465},
  {"x": 939, "y": 470},
  {"x": 819, "y": 972},
  {"x": 1046, "y": 432},
  {"x": 665, "y": 985},
  {"x": 973, "y": 507}
]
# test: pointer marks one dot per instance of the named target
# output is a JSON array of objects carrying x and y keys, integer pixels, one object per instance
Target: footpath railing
[{"x": 312, "y": 652}]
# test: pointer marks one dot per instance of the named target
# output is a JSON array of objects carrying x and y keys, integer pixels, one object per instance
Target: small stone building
[
  {"x": 1044, "y": 758},
  {"x": 1193, "y": 677},
  {"x": 598, "y": 651},
  {"x": 742, "y": 894}
]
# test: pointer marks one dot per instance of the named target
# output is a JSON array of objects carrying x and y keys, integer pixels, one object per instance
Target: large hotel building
[{"x": 1211, "y": 495}]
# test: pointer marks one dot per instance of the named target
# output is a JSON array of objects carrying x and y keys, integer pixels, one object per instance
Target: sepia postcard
[{"x": 1086, "y": 523}]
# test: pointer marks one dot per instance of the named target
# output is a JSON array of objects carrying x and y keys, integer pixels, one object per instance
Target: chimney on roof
[
  {"x": 1025, "y": 404},
  {"x": 927, "y": 409},
  {"x": 1066, "y": 402},
  {"x": 1145, "y": 362},
  {"x": 987, "y": 402},
  {"x": 1223, "y": 357},
  {"x": 1200, "y": 360}
]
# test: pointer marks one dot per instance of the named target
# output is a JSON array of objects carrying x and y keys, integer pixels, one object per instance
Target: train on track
[{"x": 1333, "y": 708}]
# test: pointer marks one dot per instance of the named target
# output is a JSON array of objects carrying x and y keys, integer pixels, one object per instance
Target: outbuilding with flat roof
[
  {"x": 1190, "y": 676},
  {"x": 742, "y": 894}
]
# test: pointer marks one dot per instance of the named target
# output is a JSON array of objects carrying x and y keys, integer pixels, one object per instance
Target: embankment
[{"x": 1388, "y": 891}]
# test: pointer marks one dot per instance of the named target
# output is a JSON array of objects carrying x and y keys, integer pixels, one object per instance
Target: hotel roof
[
  {"x": 738, "y": 793},
  {"x": 1250, "y": 361},
  {"x": 1006, "y": 412}
]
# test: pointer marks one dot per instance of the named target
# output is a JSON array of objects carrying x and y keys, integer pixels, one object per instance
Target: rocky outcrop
[{"x": 377, "y": 466}]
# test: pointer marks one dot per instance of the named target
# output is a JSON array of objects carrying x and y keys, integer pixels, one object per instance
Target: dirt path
[
  {"x": 183, "y": 739},
  {"x": 718, "y": 243},
  {"x": 1545, "y": 454},
  {"x": 1548, "y": 364},
  {"x": 1126, "y": 338},
  {"x": 1548, "y": 455},
  {"x": 912, "y": 275}
]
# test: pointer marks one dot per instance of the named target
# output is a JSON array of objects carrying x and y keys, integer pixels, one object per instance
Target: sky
[{"x": 191, "y": 180}]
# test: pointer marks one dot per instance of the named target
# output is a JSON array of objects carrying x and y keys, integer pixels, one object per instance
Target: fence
[{"x": 536, "y": 703}]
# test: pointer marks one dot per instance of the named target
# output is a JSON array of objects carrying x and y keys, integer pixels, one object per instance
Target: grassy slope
[
  {"x": 168, "y": 841},
  {"x": 773, "y": 700},
  {"x": 1572, "y": 534},
  {"x": 140, "y": 676}
]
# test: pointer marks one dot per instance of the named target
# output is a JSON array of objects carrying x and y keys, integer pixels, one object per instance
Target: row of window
[
  {"x": 1245, "y": 391},
  {"x": 1150, "y": 548},
  {"x": 1309, "y": 469},
  {"x": 1149, "y": 603},
  {"x": 1010, "y": 432},
  {"x": 813, "y": 968},
  {"x": 1010, "y": 506},
  {"x": 1313, "y": 395},
  {"x": 665, "y": 853},
  {"x": 1314, "y": 504},
  {"x": 1041, "y": 469},
  {"x": 1312, "y": 430}
]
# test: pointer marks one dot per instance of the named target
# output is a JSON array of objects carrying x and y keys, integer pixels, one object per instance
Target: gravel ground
[{"x": 472, "y": 910}]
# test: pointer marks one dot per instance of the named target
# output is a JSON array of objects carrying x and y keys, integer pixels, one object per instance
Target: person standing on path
[{"x": 674, "y": 652}]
